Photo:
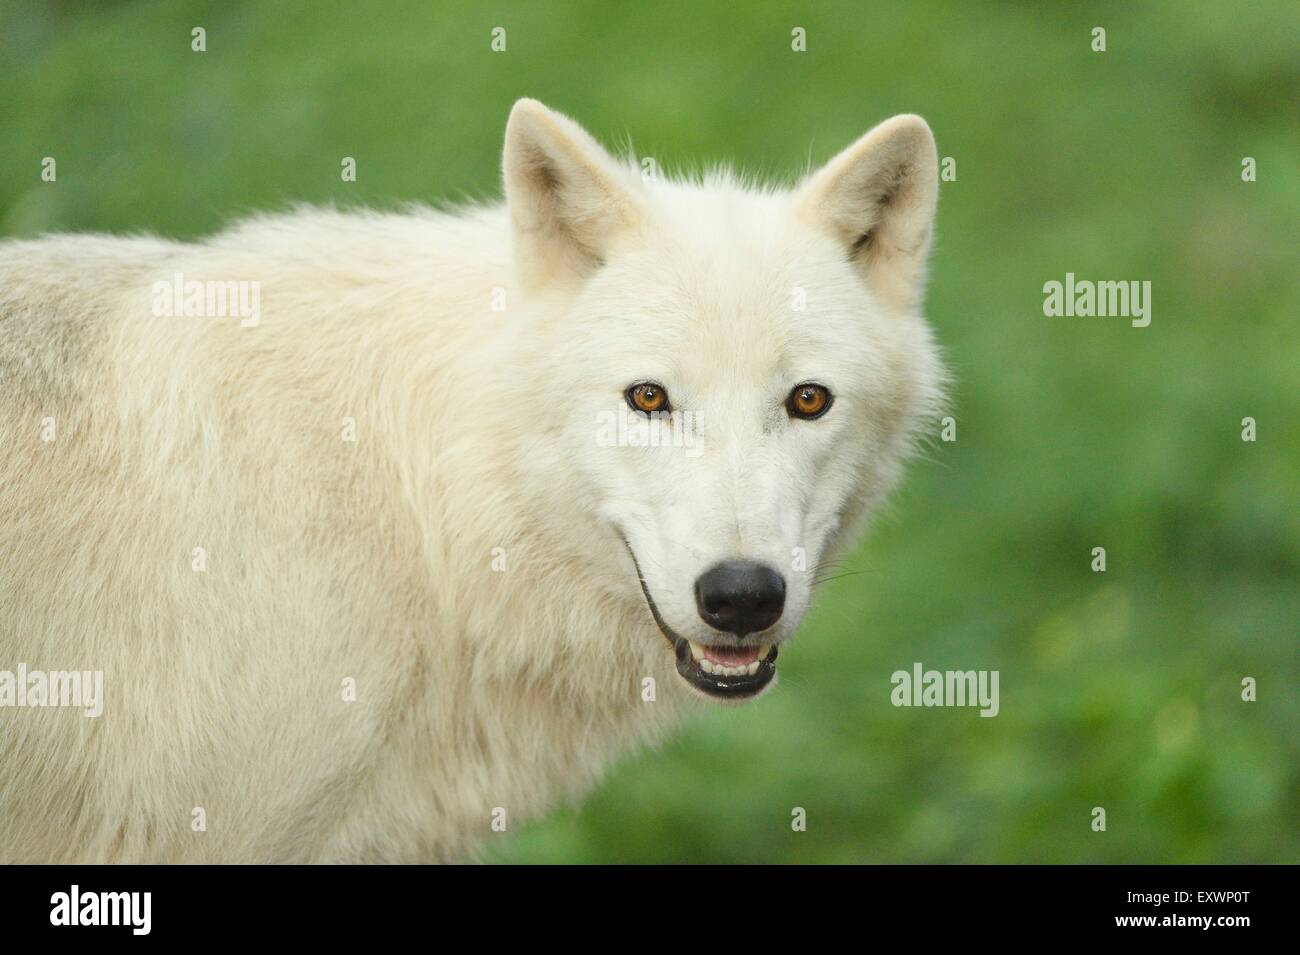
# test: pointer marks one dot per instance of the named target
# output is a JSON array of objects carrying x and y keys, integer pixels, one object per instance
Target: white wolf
[{"x": 368, "y": 579}]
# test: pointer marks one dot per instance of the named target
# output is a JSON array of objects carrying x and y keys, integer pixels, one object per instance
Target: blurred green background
[{"x": 1119, "y": 690}]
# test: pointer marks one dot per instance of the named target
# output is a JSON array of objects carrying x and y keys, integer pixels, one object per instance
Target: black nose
[{"x": 740, "y": 596}]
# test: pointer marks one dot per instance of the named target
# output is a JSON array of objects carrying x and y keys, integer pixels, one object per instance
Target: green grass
[{"x": 1119, "y": 690}]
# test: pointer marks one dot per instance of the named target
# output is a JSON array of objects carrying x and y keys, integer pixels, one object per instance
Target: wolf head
[{"x": 742, "y": 372}]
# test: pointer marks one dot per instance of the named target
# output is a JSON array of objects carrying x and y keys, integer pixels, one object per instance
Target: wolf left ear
[
  {"x": 877, "y": 197},
  {"x": 569, "y": 200}
]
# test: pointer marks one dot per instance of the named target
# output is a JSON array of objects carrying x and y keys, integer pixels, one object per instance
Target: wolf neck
[
  {"x": 526, "y": 638},
  {"x": 547, "y": 687}
]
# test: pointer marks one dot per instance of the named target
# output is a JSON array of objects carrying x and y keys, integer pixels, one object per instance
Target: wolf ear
[
  {"x": 569, "y": 200},
  {"x": 878, "y": 197}
]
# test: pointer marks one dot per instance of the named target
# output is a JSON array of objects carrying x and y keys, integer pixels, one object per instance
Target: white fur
[{"x": 326, "y": 560}]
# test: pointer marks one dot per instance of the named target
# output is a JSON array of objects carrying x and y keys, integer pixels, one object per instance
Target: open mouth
[
  {"x": 725, "y": 672},
  {"x": 729, "y": 673}
]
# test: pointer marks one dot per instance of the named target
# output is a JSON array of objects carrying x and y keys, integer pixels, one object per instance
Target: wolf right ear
[
  {"x": 569, "y": 200},
  {"x": 878, "y": 198}
]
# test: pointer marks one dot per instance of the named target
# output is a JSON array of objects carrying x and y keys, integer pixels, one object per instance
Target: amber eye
[
  {"x": 647, "y": 398},
  {"x": 808, "y": 401}
]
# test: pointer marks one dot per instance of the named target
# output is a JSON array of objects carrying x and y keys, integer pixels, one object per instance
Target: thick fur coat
[{"x": 360, "y": 573}]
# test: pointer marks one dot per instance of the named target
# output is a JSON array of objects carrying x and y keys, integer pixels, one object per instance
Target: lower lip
[{"x": 724, "y": 687}]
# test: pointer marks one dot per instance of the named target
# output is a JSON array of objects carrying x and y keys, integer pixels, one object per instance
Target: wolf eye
[
  {"x": 647, "y": 398},
  {"x": 808, "y": 401}
]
